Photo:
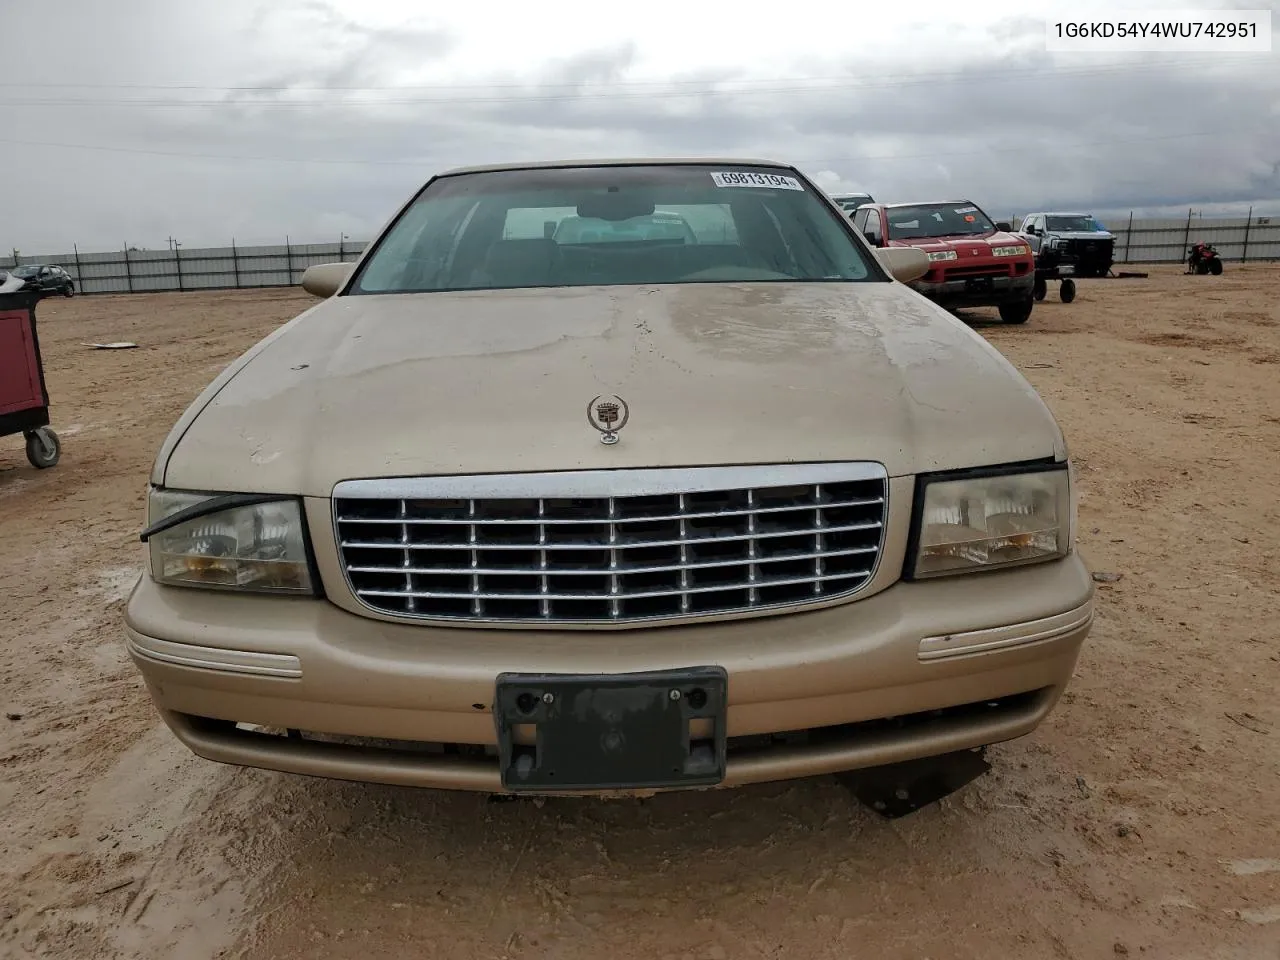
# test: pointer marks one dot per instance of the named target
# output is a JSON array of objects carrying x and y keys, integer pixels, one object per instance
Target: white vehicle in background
[
  {"x": 849, "y": 202},
  {"x": 1071, "y": 244}
]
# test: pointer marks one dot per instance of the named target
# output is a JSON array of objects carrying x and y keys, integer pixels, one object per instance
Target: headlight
[
  {"x": 253, "y": 543},
  {"x": 1010, "y": 251},
  {"x": 981, "y": 522},
  {"x": 942, "y": 255}
]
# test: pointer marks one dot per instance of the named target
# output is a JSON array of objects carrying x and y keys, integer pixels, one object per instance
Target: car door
[
  {"x": 872, "y": 228},
  {"x": 1033, "y": 223}
]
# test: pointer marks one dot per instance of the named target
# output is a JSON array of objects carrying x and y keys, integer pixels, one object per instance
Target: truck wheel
[
  {"x": 43, "y": 448},
  {"x": 1018, "y": 311},
  {"x": 1067, "y": 291},
  {"x": 1040, "y": 289},
  {"x": 1215, "y": 267}
]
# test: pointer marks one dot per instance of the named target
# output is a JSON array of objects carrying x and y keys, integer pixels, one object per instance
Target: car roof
[
  {"x": 620, "y": 162},
  {"x": 1062, "y": 213}
]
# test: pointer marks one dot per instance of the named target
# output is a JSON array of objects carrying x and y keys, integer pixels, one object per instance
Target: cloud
[
  {"x": 834, "y": 184},
  {"x": 307, "y": 118}
]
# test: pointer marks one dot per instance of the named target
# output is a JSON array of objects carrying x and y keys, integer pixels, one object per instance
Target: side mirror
[
  {"x": 905, "y": 263},
  {"x": 1004, "y": 225},
  {"x": 325, "y": 279},
  {"x": 871, "y": 237}
]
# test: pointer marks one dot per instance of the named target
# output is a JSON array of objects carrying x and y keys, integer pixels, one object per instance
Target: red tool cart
[{"x": 24, "y": 400}]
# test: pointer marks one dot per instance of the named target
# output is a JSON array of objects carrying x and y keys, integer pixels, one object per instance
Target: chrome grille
[{"x": 611, "y": 546}]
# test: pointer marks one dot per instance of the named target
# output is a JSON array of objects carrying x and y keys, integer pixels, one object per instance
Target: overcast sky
[{"x": 136, "y": 120}]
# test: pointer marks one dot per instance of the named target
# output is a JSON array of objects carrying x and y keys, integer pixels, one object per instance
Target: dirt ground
[{"x": 1142, "y": 818}]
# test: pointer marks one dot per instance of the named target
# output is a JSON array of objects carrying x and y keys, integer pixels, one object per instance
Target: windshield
[
  {"x": 25, "y": 272},
  {"x": 642, "y": 224},
  {"x": 851, "y": 202},
  {"x": 937, "y": 220},
  {"x": 1074, "y": 224}
]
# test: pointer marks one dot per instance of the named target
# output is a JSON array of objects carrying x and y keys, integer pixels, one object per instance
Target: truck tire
[
  {"x": 1040, "y": 289},
  {"x": 1017, "y": 311}
]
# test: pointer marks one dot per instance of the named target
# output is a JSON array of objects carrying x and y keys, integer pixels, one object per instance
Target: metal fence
[{"x": 130, "y": 270}]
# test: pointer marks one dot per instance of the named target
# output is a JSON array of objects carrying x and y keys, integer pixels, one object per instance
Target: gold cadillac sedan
[{"x": 694, "y": 492}]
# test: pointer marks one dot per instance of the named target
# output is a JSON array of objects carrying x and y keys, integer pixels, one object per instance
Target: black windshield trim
[{"x": 588, "y": 286}]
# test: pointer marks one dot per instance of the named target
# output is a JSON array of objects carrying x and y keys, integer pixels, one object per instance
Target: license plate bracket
[
  {"x": 621, "y": 731},
  {"x": 979, "y": 285}
]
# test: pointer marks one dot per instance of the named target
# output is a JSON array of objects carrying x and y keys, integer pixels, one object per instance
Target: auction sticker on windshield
[{"x": 737, "y": 178}]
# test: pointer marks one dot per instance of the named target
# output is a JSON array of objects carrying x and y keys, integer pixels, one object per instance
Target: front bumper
[
  {"x": 1079, "y": 255},
  {"x": 958, "y": 662},
  {"x": 966, "y": 293}
]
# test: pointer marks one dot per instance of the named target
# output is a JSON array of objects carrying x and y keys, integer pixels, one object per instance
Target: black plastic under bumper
[{"x": 977, "y": 291}]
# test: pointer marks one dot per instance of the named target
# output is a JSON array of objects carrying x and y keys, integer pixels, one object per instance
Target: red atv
[{"x": 1203, "y": 258}]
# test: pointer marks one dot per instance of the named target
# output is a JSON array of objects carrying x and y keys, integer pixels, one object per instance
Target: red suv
[{"x": 973, "y": 261}]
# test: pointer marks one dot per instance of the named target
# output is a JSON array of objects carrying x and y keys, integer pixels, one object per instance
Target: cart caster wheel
[
  {"x": 1040, "y": 289},
  {"x": 43, "y": 448},
  {"x": 1067, "y": 291}
]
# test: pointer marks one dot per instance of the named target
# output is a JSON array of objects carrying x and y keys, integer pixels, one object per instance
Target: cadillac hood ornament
[{"x": 608, "y": 415}]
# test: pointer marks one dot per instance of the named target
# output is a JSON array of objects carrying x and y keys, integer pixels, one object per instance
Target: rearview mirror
[
  {"x": 905, "y": 263},
  {"x": 614, "y": 207},
  {"x": 326, "y": 279},
  {"x": 1004, "y": 225}
]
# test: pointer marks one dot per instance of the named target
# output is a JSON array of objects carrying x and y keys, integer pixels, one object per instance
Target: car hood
[
  {"x": 1082, "y": 234},
  {"x": 964, "y": 246},
  {"x": 501, "y": 381}
]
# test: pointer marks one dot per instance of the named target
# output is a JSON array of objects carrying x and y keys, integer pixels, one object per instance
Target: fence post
[
  {"x": 177, "y": 261},
  {"x": 1186, "y": 238},
  {"x": 341, "y": 251},
  {"x": 79, "y": 277},
  {"x": 235, "y": 262},
  {"x": 288, "y": 254},
  {"x": 128, "y": 270},
  {"x": 1128, "y": 238},
  {"x": 1244, "y": 254}
]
